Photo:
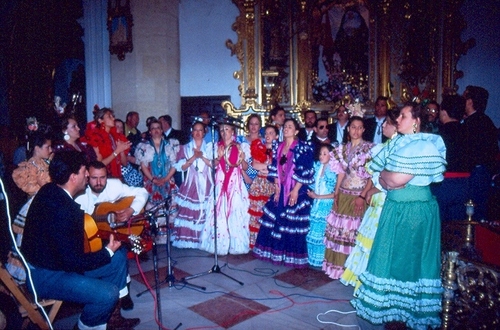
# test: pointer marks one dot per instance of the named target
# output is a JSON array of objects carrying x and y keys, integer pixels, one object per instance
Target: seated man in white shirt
[{"x": 101, "y": 189}]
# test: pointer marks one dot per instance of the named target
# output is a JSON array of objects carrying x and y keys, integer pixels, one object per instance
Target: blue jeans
[{"x": 97, "y": 289}]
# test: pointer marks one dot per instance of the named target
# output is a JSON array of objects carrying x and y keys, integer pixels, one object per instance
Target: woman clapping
[{"x": 230, "y": 194}]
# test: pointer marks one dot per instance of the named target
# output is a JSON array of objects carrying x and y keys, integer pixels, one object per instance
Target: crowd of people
[{"x": 360, "y": 199}]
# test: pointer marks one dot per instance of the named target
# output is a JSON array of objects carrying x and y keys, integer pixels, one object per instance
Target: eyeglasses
[
  {"x": 322, "y": 127},
  {"x": 431, "y": 110}
]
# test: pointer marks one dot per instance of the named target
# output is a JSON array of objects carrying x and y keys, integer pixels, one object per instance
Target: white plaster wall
[
  {"x": 206, "y": 64},
  {"x": 148, "y": 80}
]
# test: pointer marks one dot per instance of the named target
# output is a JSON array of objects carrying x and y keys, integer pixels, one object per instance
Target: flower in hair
[
  {"x": 32, "y": 124},
  {"x": 355, "y": 109}
]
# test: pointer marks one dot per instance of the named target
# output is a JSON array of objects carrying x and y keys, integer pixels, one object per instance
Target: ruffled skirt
[
  {"x": 259, "y": 193},
  {"x": 358, "y": 259},
  {"x": 340, "y": 234},
  {"x": 283, "y": 230},
  {"x": 402, "y": 280},
  {"x": 316, "y": 237}
]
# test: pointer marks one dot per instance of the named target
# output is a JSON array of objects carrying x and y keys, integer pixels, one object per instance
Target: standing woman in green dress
[{"x": 402, "y": 281}]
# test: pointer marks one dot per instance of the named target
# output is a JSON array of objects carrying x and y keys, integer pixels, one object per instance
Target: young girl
[
  {"x": 349, "y": 205},
  {"x": 375, "y": 197},
  {"x": 322, "y": 193},
  {"x": 261, "y": 188},
  {"x": 30, "y": 176}
]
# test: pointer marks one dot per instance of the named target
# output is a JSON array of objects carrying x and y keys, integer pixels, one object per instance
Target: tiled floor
[{"x": 256, "y": 295}]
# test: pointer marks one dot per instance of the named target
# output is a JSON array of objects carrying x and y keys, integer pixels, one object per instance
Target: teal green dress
[{"x": 402, "y": 281}]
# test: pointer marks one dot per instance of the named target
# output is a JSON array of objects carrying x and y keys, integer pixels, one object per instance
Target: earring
[
  {"x": 66, "y": 136},
  {"x": 414, "y": 128}
]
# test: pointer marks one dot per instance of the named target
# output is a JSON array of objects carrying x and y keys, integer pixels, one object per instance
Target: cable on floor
[{"x": 335, "y": 323}]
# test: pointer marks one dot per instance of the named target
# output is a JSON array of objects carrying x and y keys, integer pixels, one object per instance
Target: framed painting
[{"x": 120, "y": 24}]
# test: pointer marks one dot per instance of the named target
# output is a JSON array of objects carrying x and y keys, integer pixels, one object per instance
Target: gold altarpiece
[{"x": 313, "y": 54}]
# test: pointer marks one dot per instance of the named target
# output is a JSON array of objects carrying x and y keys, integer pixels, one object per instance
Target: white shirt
[
  {"x": 309, "y": 134},
  {"x": 114, "y": 190},
  {"x": 340, "y": 132},
  {"x": 167, "y": 132},
  {"x": 377, "y": 137}
]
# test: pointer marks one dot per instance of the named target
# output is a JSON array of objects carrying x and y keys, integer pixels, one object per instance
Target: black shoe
[
  {"x": 127, "y": 303},
  {"x": 118, "y": 322}
]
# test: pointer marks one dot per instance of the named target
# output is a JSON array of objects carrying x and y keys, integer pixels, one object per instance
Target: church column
[{"x": 97, "y": 65}]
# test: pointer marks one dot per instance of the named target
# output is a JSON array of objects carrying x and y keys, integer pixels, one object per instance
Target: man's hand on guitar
[
  {"x": 113, "y": 245},
  {"x": 124, "y": 215}
]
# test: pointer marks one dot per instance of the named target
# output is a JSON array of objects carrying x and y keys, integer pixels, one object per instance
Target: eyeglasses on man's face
[
  {"x": 322, "y": 127},
  {"x": 429, "y": 110}
]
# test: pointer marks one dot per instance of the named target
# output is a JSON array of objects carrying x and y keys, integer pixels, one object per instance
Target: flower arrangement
[{"x": 340, "y": 86}]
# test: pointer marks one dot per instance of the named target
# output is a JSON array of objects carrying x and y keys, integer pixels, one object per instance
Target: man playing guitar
[
  {"x": 100, "y": 189},
  {"x": 53, "y": 246}
]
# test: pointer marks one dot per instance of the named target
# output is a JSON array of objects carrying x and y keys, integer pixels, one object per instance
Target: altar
[{"x": 305, "y": 55}]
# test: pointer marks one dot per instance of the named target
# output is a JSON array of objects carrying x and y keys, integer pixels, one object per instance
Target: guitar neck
[{"x": 102, "y": 234}]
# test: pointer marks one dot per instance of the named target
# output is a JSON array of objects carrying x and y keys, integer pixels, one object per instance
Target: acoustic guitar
[
  {"x": 94, "y": 236},
  {"x": 105, "y": 215}
]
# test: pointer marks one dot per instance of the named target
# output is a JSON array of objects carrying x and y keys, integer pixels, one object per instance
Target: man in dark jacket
[
  {"x": 481, "y": 147},
  {"x": 53, "y": 245},
  {"x": 373, "y": 125}
]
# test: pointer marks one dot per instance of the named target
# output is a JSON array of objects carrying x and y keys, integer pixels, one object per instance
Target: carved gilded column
[
  {"x": 303, "y": 58},
  {"x": 383, "y": 55},
  {"x": 453, "y": 47},
  {"x": 245, "y": 48}
]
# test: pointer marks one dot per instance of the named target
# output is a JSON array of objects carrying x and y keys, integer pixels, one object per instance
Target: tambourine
[{"x": 229, "y": 151}]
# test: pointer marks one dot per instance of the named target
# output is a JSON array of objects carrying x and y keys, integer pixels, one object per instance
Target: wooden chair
[{"x": 27, "y": 307}]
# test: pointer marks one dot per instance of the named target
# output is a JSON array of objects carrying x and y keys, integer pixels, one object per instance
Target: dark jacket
[
  {"x": 453, "y": 137},
  {"x": 302, "y": 135},
  {"x": 370, "y": 129},
  {"x": 54, "y": 234},
  {"x": 481, "y": 142},
  {"x": 178, "y": 135},
  {"x": 332, "y": 133}
]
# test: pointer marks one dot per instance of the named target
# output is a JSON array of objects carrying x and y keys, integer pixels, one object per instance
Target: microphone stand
[
  {"x": 154, "y": 232},
  {"x": 169, "y": 278},
  {"x": 215, "y": 268}
]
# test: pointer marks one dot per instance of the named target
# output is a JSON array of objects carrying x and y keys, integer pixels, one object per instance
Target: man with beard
[
  {"x": 101, "y": 189},
  {"x": 53, "y": 245},
  {"x": 306, "y": 133}
]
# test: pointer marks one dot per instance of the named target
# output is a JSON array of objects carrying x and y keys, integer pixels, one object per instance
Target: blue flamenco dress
[
  {"x": 283, "y": 230},
  {"x": 402, "y": 280},
  {"x": 324, "y": 184}
]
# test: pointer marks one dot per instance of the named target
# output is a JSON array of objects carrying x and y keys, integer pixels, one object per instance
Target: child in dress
[{"x": 322, "y": 193}]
